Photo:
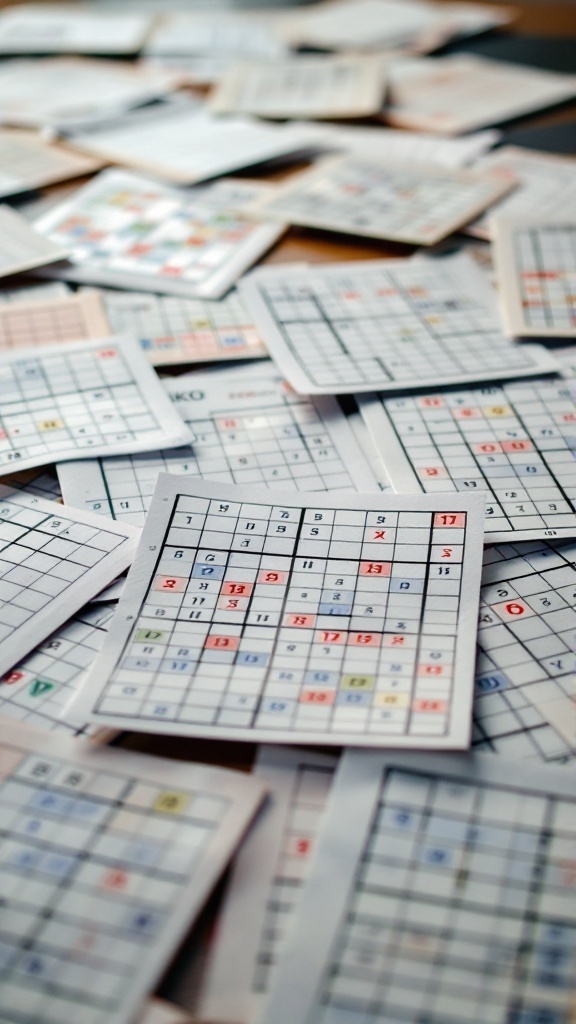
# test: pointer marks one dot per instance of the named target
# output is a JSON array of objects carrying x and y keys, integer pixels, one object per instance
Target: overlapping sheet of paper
[
  {"x": 249, "y": 428},
  {"x": 340, "y": 619},
  {"x": 442, "y": 889},
  {"x": 107, "y": 859},
  {"x": 380, "y": 199},
  {"x": 52, "y": 560},
  {"x": 28, "y": 162},
  {"x": 73, "y": 318},
  {"x": 67, "y": 401},
  {"x": 387, "y": 324},
  {"x": 193, "y": 244},
  {"x": 395, "y": 146},
  {"x": 55, "y": 28},
  {"x": 21, "y": 247}
]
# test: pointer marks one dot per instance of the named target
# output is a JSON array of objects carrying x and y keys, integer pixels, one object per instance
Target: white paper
[
  {"x": 261, "y": 901},
  {"x": 273, "y": 653},
  {"x": 217, "y": 34},
  {"x": 38, "y": 689},
  {"x": 546, "y": 184},
  {"x": 68, "y": 93},
  {"x": 111, "y": 248},
  {"x": 395, "y": 146},
  {"x": 189, "y": 145},
  {"x": 249, "y": 429},
  {"x": 385, "y": 324},
  {"x": 566, "y": 359},
  {"x": 35, "y": 292},
  {"x": 307, "y": 87},
  {"x": 52, "y": 561},
  {"x": 462, "y": 93},
  {"x": 29, "y": 162},
  {"x": 159, "y": 1012},
  {"x": 353, "y": 24},
  {"x": 526, "y": 659},
  {"x": 513, "y": 443},
  {"x": 39, "y": 323},
  {"x": 176, "y": 330},
  {"x": 55, "y": 28},
  {"x": 379, "y": 199},
  {"x": 21, "y": 247},
  {"x": 74, "y": 400},
  {"x": 369, "y": 450},
  {"x": 535, "y": 262},
  {"x": 107, "y": 859},
  {"x": 422, "y": 900}
]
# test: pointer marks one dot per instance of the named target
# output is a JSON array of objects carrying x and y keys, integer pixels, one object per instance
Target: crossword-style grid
[
  {"x": 50, "y": 564},
  {"x": 249, "y": 428},
  {"x": 28, "y": 162},
  {"x": 381, "y": 199},
  {"x": 39, "y": 689},
  {"x": 106, "y": 859},
  {"x": 536, "y": 266},
  {"x": 176, "y": 330},
  {"x": 263, "y": 893},
  {"x": 515, "y": 443},
  {"x": 526, "y": 648},
  {"x": 389, "y": 325},
  {"x": 122, "y": 230},
  {"x": 342, "y": 620},
  {"x": 62, "y": 402},
  {"x": 455, "y": 902},
  {"x": 73, "y": 318},
  {"x": 42, "y": 483}
]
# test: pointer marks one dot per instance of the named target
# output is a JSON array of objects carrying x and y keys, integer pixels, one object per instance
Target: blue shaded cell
[
  {"x": 231, "y": 340},
  {"x": 177, "y": 666},
  {"x": 23, "y": 858},
  {"x": 406, "y": 586},
  {"x": 490, "y": 684},
  {"x": 252, "y": 658},
  {"x": 201, "y": 571},
  {"x": 335, "y": 609},
  {"x": 142, "y": 852},
  {"x": 356, "y": 700},
  {"x": 53, "y": 802},
  {"x": 146, "y": 343},
  {"x": 550, "y": 979},
  {"x": 270, "y": 706},
  {"x": 325, "y": 678},
  {"x": 57, "y": 864}
]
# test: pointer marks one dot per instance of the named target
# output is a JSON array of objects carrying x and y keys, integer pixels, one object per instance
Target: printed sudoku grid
[
  {"x": 42, "y": 554},
  {"x": 354, "y": 329},
  {"x": 64, "y": 402},
  {"x": 342, "y": 622},
  {"x": 526, "y": 645},
  {"x": 462, "y": 909},
  {"x": 175, "y": 330},
  {"x": 309, "y": 793},
  {"x": 39, "y": 688},
  {"x": 402, "y": 203},
  {"x": 94, "y": 864},
  {"x": 545, "y": 258},
  {"x": 516, "y": 442},
  {"x": 51, "y": 322},
  {"x": 248, "y": 430}
]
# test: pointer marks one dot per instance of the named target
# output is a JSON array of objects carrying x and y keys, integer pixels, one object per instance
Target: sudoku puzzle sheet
[
  {"x": 61, "y": 402},
  {"x": 515, "y": 443},
  {"x": 106, "y": 859},
  {"x": 22, "y": 248},
  {"x": 342, "y": 621},
  {"x": 73, "y": 318},
  {"x": 27, "y": 162},
  {"x": 263, "y": 893},
  {"x": 526, "y": 645},
  {"x": 175, "y": 330},
  {"x": 354, "y": 327},
  {"x": 121, "y": 229},
  {"x": 40, "y": 687},
  {"x": 49, "y": 552},
  {"x": 249, "y": 428},
  {"x": 536, "y": 266},
  {"x": 399, "y": 202},
  {"x": 450, "y": 897}
]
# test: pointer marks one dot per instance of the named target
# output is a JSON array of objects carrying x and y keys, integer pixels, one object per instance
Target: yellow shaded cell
[
  {"x": 391, "y": 700},
  {"x": 170, "y": 802},
  {"x": 50, "y": 425},
  {"x": 353, "y": 682},
  {"x": 497, "y": 410}
]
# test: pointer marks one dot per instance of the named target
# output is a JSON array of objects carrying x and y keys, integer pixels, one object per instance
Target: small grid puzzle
[
  {"x": 449, "y": 897},
  {"x": 249, "y": 428},
  {"x": 125, "y": 231},
  {"x": 39, "y": 688},
  {"x": 515, "y": 443},
  {"x": 21, "y": 247},
  {"x": 73, "y": 318},
  {"x": 526, "y": 645},
  {"x": 389, "y": 325},
  {"x": 29, "y": 162},
  {"x": 63, "y": 402},
  {"x": 106, "y": 858},
  {"x": 50, "y": 564},
  {"x": 339, "y": 620},
  {"x": 263, "y": 894},
  {"x": 175, "y": 330},
  {"x": 399, "y": 202},
  {"x": 536, "y": 267}
]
